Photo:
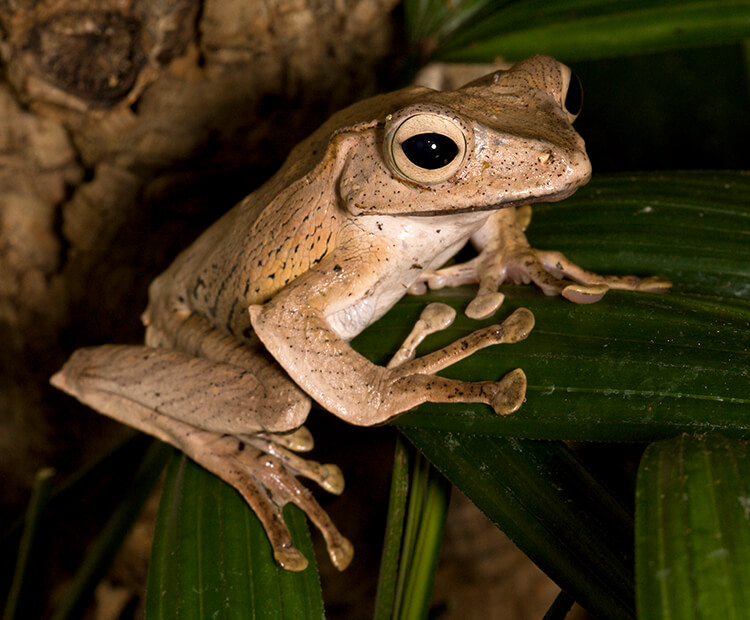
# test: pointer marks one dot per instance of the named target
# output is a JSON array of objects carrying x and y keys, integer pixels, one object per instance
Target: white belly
[{"x": 417, "y": 244}]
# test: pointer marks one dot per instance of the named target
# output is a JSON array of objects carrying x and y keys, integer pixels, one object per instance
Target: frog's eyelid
[
  {"x": 574, "y": 96},
  {"x": 424, "y": 124},
  {"x": 572, "y": 93}
]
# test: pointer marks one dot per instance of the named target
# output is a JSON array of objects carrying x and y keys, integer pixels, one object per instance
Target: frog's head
[{"x": 503, "y": 140}]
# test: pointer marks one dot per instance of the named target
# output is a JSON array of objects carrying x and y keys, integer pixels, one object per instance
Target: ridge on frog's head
[{"x": 505, "y": 139}]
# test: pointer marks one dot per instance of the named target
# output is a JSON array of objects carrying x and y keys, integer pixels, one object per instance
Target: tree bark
[{"x": 126, "y": 126}]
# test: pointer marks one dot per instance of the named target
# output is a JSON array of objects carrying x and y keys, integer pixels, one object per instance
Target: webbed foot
[{"x": 124, "y": 382}]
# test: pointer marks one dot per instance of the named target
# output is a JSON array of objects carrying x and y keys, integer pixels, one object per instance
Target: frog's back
[
  {"x": 275, "y": 234},
  {"x": 245, "y": 258}
]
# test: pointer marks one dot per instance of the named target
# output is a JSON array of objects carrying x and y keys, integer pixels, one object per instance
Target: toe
[
  {"x": 341, "y": 553},
  {"x": 290, "y": 558},
  {"x": 654, "y": 284}
]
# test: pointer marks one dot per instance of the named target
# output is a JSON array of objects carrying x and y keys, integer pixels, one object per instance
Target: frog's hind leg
[
  {"x": 273, "y": 472},
  {"x": 136, "y": 385}
]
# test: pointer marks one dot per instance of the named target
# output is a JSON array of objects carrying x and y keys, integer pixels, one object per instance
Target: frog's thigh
[
  {"x": 199, "y": 392},
  {"x": 191, "y": 403}
]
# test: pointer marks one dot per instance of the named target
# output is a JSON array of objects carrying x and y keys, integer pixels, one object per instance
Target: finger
[
  {"x": 435, "y": 317},
  {"x": 485, "y": 304},
  {"x": 455, "y": 275},
  {"x": 584, "y": 293}
]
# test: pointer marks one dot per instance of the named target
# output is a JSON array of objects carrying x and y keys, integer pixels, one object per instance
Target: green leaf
[
  {"x": 211, "y": 557},
  {"x": 550, "y": 506},
  {"x": 634, "y": 366},
  {"x": 631, "y": 367},
  {"x": 434, "y": 18},
  {"x": 427, "y": 509},
  {"x": 692, "y": 226},
  {"x": 394, "y": 529},
  {"x": 479, "y": 30},
  {"x": 21, "y": 589},
  {"x": 693, "y": 529}
]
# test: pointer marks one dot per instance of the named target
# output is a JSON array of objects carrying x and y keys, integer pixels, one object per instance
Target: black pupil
[
  {"x": 430, "y": 150},
  {"x": 574, "y": 96}
]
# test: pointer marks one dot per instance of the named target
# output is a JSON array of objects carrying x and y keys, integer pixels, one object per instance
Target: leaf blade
[
  {"x": 692, "y": 528},
  {"x": 389, "y": 562},
  {"x": 211, "y": 556},
  {"x": 546, "y": 502},
  {"x": 476, "y": 31},
  {"x": 633, "y": 367}
]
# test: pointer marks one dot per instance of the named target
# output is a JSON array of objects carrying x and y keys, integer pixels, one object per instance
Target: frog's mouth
[{"x": 555, "y": 197}]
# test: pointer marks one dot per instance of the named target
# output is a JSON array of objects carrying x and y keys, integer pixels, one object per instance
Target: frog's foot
[
  {"x": 586, "y": 286},
  {"x": 263, "y": 469},
  {"x": 264, "y": 473},
  {"x": 261, "y": 466},
  {"x": 551, "y": 271}
]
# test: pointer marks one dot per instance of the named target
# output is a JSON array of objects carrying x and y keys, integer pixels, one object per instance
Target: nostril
[{"x": 545, "y": 158}]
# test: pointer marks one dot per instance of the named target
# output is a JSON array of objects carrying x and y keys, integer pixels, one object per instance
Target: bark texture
[{"x": 126, "y": 126}]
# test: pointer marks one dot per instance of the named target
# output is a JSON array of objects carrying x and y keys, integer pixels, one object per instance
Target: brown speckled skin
[
  {"x": 307, "y": 209},
  {"x": 255, "y": 317}
]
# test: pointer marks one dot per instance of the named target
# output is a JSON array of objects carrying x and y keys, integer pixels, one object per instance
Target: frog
[{"x": 253, "y": 322}]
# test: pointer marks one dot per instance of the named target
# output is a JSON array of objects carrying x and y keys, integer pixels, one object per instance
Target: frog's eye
[
  {"x": 426, "y": 148},
  {"x": 574, "y": 97}
]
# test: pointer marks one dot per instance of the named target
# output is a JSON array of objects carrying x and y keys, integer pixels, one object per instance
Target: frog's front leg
[
  {"x": 222, "y": 416},
  {"x": 296, "y": 327},
  {"x": 505, "y": 255}
]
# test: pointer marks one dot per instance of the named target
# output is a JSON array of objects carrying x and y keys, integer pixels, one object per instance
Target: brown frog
[{"x": 253, "y": 321}]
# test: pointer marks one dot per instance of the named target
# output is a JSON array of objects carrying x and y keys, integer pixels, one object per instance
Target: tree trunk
[{"x": 127, "y": 126}]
